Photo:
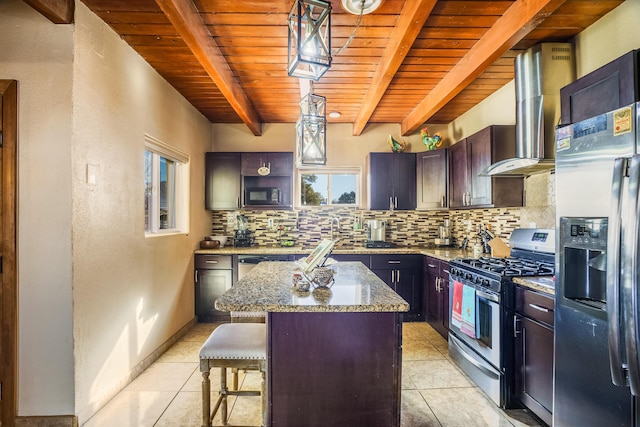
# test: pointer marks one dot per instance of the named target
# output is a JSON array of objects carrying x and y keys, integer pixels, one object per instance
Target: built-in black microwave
[{"x": 262, "y": 196}]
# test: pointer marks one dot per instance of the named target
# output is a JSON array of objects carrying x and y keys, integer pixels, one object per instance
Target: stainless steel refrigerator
[{"x": 597, "y": 312}]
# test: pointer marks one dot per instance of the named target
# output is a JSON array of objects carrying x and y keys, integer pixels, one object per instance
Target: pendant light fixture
[
  {"x": 311, "y": 131},
  {"x": 309, "y": 39}
]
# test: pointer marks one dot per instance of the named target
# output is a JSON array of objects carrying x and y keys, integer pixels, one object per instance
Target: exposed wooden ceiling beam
[
  {"x": 184, "y": 16},
  {"x": 522, "y": 17},
  {"x": 56, "y": 11},
  {"x": 410, "y": 22}
]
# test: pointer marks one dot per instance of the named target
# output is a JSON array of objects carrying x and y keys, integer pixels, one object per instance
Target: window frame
[
  {"x": 357, "y": 171},
  {"x": 181, "y": 162}
]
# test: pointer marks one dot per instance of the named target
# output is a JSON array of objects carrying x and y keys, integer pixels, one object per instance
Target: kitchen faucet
[{"x": 335, "y": 220}]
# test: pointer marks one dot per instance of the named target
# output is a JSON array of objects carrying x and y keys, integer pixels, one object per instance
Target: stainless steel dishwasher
[{"x": 247, "y": 262}]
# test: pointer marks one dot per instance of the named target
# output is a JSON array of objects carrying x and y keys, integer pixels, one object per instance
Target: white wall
[
  {"x": 610, "y": 37},
  {"x": 131, "y": 293},
  {"x": 95, "y": 296},
  {"x": 39, "y": 56}
]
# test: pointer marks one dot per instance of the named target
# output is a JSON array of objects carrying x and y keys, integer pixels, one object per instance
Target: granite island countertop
[
  {"x": 441, "y": 253},
  {"x": 267, "y": 287}
]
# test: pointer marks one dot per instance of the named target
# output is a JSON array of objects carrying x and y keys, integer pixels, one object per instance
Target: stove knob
[{"x": 485, "y": 282}]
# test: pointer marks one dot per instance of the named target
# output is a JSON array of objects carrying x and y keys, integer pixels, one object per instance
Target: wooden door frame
[{"x": 8, "y": 245}]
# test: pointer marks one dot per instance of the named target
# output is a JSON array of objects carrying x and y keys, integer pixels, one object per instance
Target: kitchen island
[{"x": 333, "y": 355}]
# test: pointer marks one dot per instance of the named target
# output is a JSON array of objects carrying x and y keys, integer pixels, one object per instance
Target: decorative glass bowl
[{"x": 322, "y": 277}]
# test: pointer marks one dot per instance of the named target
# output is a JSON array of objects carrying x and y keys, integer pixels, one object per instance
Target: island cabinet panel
[
  {"x": 222, "y": 186},
  {"x": 432, "y": 179},
  {"x": 403, "y": 273},
  {"x": 334, "y": 369},
  {"x": 392, "y": 181}
]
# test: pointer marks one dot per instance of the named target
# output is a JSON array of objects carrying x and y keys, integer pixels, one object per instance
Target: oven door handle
[
  {"x": 454, "y": 341},
  {"x": 487, "y": 296}
]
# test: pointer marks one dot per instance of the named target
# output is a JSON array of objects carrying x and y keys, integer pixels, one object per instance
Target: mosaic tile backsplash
[{"x": 306, "y": 227}]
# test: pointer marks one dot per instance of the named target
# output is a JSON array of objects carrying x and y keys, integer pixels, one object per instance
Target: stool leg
[
  {"x": 235, "y": 378},
  {"x": 206, "y": 400},
  {"x": 263, "y": 397},
  {"x": 223, "y": 392}
]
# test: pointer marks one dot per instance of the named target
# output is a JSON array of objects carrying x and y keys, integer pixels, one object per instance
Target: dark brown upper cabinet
[{"x": 468, "y": 159}]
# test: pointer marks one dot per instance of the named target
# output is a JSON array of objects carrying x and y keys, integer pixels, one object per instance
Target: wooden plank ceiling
[{"x": 411, "y": 61}]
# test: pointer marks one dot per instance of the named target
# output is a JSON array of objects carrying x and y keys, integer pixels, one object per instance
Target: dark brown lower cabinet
[
  {"x": 533, "y": 352},
  {"x": 436, "y": 304},
  {"x": 334, "y": 369}
]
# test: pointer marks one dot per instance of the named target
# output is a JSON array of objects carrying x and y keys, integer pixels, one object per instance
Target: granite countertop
[
  {"x": 445, "y": 254},
  {"x": 544, "y": 284},
  {"x": 267, "y": 287}
]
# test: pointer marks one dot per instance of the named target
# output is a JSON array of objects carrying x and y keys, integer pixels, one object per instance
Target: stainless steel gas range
[{"x": 476, "y": 313}]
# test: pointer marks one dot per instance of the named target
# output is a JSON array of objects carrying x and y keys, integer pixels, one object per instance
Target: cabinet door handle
[
  {"x": 395, "y": 204},
  {"x": 390, "y": 202},
  {"x": 442, "y": 204},
  {"x": 195, "y": 276},
  {"x": 397, "y": 276},
  {"x": 393, "y": 276},
  {"x": 437, "y": 284},
  {"x": 515, "y": 327},
  {"x": 537, "y": 307}
]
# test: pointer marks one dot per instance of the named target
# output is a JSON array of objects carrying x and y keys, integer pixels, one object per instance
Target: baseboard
[
  {"x": 86, "y": 413},
  {"x": 50, "y": 421}
]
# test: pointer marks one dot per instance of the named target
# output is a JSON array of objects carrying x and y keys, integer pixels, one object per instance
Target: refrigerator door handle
[
  {"x": 613, "y": 276},
  {"x": 629, "y": 270}
]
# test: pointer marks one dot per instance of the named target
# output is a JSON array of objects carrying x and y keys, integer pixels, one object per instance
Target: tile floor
[{"x": 435, "y": 393}]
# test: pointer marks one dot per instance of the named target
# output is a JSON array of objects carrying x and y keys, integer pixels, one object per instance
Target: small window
[
  {"x": 329, "y": 188},
  {"x": 166, "y": 188}
]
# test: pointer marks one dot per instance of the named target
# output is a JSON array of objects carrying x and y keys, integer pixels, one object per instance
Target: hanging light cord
[{"x": 353, "y": 33}]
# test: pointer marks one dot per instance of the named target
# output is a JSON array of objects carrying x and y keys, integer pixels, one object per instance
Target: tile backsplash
[{"x": 405, "y": 228}]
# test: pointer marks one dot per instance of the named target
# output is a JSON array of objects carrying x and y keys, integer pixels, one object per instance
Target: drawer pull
[
  {"x": 395, "y": 262},
  {"x": 431, "y": 266},
  {"x": 211, "y": 262},
  {"x": 537, "y": 307}
]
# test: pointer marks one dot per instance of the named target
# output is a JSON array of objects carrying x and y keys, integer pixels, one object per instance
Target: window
[
  {"x": 329, "y": 187},
  {"x": 166, "y": 188}
]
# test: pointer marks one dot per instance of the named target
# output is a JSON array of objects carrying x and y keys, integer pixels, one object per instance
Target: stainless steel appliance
[
  {"x": 262, "y": 196},
  {"x": 377, "y": 234},
  {"x": 540, "y": 72},
  {"x": 597, "y": 368},
  {"x": 243, "y": 237},
  {"x": 478, "y": 347},
  {"x": 444, "y": 234}
]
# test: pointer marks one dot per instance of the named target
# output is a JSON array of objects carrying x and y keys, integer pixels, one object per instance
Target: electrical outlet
[{"x": 270, "y": 222}]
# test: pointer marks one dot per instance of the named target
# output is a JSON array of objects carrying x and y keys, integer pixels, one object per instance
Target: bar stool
[{"x": 232, "y": 345}]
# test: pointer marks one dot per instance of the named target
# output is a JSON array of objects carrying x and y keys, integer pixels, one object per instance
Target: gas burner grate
[{"x": 511, "y": 266}]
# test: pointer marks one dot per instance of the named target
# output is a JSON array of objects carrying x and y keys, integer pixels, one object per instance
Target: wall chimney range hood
[{"x": 540, "y": 72}]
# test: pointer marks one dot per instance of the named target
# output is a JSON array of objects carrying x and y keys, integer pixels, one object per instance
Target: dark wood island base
[{"x": 334, "y": 369}]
